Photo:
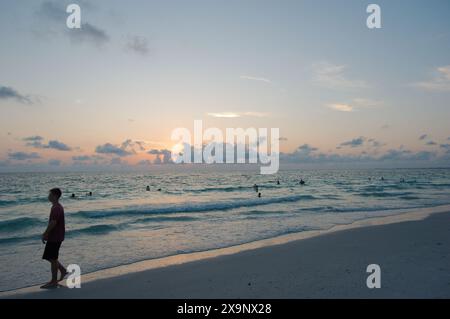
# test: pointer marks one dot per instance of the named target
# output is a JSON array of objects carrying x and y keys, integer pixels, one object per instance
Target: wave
[
  {"x": 232, "y": 188},
  {"x": 19, "y": 224},
  {"x": 90, "y": 230},
  {"x": 165, "y": 219},
  {"x": 94, "y": 230},
  {"x": 384, "y": 194},
  {"x": 191, "y": 208}
]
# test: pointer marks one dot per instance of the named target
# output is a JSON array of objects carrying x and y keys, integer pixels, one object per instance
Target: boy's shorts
[{"x": 51, "y": 251}]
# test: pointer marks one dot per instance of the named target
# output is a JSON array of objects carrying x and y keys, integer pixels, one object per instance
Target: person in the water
[
  {"x": 259, "y": 194},
  {"x": 278, "y": 182},
  {"x": 73, "y": 195},
  {"x": 302, "y": 182},
  {"x": 147, "y": 188},
  {"x": 255, "y": 187}
]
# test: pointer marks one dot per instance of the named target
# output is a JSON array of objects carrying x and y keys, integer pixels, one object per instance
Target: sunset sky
[{"x": 112, "y": 92}]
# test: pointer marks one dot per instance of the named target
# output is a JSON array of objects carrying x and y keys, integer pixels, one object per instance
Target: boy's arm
[{"x": 51, "y": 225}]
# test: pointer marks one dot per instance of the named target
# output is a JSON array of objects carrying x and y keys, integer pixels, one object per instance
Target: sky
[{"x": 110, "y": 94}]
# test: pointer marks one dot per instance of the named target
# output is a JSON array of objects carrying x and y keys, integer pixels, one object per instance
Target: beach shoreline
[{"x": 116, "y": 274}]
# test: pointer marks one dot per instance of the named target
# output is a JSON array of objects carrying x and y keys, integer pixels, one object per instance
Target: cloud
[
  {"x": 56, "y": 145},
  {"x": 439, "y": 82},
  {"x": 332, "y": 76},
  {"x": 90, "y": 34},
  {"x": 36, "y": 141},
  {"x": 166, "y": 156},
  {"x": 34, "y": 138},
  {"x": 341, "y": 107},
  {"x": 283, "y": 139},
  {"x": 118, "y": 161},
  {"x": 255, "y": 78},
  {"x": 7, "y": 93},
  {"x": 224, "y": 115},
  {"x": 137, "y": 44},
  {"x": 22, "y": 156},
  {"x": 82, "y": 158},
  {"x": 306, "y": 148},
  {"x": 400, "y": 157},
  {"x": 357, "y": 103},
  {"x": 109, "y": 148},
  {"x": 356, "y": 142},
  {"x": 422, "y": 137},
  {"x": 406, "y": 155},
  {"x": 144, "y": 162},
  {"x": 374, "y": 143},
  {"x": 54, "y": 162},
  {"x": 446, "y": 147},
  {"x": 238, "y": 114},
  {"x": 54, "y": 12},
  {"x": 127, "y": 147},
  {"x": 431, "y": 143}
]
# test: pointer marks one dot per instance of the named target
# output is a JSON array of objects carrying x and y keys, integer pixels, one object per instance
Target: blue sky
[{"x": 139, "y": 69}]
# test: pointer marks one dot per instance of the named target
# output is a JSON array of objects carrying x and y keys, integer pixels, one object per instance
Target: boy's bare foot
[
  {"x": 50, "y": 285},
  {"x": 63, "y": 274}
]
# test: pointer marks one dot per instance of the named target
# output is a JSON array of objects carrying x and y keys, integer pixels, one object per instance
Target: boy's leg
[
  {"x": 54, "y": 268},
  {"x": 54, "y": 264},
  {"x": 62, "y": 270}
]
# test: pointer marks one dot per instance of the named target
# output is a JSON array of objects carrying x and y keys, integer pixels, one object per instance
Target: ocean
[{"x": 190, "y": 211}]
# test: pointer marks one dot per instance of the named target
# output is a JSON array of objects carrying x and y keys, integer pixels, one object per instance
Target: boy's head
[{"x": 54, "y": 194}]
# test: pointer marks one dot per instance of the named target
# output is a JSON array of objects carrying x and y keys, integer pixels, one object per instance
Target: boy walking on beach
[{"x": 53, "y": 238}]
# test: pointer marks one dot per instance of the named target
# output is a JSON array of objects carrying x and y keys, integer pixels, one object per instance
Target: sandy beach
[{"x": 412, "y": 249}]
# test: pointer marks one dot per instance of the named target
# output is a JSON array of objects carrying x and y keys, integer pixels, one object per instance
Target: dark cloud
[
  {"x": 35, "y": 138},
  {"x": 22, "y": 156},
  {"x": 422, "y": 137},
  {"x": 374, "y": 143},
  {"x": 109, "y": 148},
  {"x": 56, "y": 145},
  {"x": 54, "y": 162},
  {"x": 82, "y": 158},
  {"x": 406, "y": 155},
  {"x": 400, "y": 156},
  {"x": 37, "y": 142},
  {"x": 356, "y": 142},
  {"x": 53, "y": 10},
  {"x": 282, "y": 139},
  {"x": 133, "y": 146},
  {"x": 431, "y": 143},
  {"x": 446, "y": 147},
  {"x": 306, "y": 148},
  {"x": 118, "y": 161},
  {"x": 89, "y": 33},
  {"x": 34, "y": 141},
  {"x": 55, "y": 14},
  {"x": 162, "y": 156},
  {"x": 137, "y": 44},
  {"x": 7, "y": 93}
]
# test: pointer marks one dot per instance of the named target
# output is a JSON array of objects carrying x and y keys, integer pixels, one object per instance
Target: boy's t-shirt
[{"x": 58, "y": 232}]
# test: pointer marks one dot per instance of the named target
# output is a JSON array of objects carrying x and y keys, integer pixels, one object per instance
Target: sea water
[{"x": 193, "y": 211}]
